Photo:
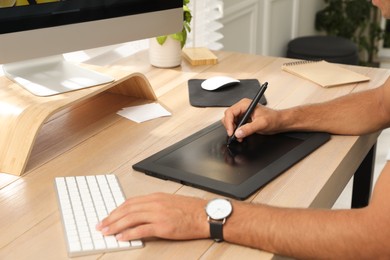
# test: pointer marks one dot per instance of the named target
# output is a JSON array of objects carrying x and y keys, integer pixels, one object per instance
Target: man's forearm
[
  {"x": 302, "y": 234},
  {"x": 354, "y": 114}
]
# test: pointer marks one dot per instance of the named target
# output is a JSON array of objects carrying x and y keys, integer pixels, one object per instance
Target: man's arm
[
  {"x": 299, "y": 233},
  {"x": 315, "y": 233},
  {"x": 354, "y": 114}
]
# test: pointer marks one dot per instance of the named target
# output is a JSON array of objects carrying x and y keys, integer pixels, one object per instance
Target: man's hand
[
  {"x": 263, "y": 120},
  {"x": 158, "y": 215}
]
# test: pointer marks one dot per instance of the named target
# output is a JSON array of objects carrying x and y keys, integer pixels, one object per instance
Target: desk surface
[{"x": 90, "y": 138}]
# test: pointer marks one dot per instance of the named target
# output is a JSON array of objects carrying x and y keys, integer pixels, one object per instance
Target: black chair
[{"x": 330, "y": 48}]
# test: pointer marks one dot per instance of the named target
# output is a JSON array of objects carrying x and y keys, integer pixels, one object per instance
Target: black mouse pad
[
  {"x": 204, "y": 161},
  {"x": 225, "y": 96}
]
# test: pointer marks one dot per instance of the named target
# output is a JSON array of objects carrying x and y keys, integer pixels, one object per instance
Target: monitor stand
[
  {"x": 52, "y": 75},
  {"x": 23, "y": 115}
]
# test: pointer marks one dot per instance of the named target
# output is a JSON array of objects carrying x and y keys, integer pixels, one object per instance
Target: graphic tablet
[{"x": 204, "y": 161}]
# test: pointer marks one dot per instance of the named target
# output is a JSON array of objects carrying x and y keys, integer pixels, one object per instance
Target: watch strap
[{"x": 216, "y": 229}]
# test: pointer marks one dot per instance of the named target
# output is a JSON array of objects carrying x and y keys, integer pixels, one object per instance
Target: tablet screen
[{"x": 210, "y": 157}]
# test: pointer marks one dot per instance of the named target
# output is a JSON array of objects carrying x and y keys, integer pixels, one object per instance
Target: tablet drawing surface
[{"x": 203, "y": 160}]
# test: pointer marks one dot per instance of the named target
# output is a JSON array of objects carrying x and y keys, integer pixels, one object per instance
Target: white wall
[
  {"x": 265, "y": 26},
  {"x": 307, "y": 10}
]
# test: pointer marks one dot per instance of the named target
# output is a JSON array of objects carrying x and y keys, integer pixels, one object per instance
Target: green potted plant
[
  {"x": 165, "y": 50},
  {"x": 356, "y": 20}
]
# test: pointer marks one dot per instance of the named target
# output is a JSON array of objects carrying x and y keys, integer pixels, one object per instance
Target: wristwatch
[{"x": 218, "y": 210}]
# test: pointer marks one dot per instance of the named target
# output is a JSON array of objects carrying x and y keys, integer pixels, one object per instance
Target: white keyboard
[{"x": 84, "y": 201}]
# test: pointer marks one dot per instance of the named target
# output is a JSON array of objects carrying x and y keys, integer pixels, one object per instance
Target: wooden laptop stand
[{"x": 22, "y": 114}]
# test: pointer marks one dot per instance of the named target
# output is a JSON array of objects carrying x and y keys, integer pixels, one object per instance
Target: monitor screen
[
  {"x": 42, "y": 28},
  {"x": 42, "y": 14}
]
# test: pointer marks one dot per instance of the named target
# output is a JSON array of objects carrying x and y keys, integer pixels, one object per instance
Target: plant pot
[{"x": 167, "y": 55}]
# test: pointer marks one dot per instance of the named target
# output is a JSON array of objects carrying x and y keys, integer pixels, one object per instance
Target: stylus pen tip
[{"x": 230, "y": 140}]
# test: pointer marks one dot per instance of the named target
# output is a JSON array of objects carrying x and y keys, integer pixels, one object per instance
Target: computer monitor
[{"x": 35, "y": 34}]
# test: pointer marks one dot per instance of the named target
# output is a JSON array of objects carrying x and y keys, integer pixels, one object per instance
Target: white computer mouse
[{"x": 217, "y": 82}]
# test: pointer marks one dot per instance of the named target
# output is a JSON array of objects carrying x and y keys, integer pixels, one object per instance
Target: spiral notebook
[{"x": 324, "y": 73}]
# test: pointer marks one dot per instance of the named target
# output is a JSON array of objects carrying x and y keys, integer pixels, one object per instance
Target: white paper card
[{"x": 144, "y": 113}]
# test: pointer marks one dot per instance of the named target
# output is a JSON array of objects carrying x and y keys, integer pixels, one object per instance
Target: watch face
[{"x": 219, "y": 209}]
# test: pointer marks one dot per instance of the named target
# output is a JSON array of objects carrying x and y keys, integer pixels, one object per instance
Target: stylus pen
[{"x": 249, "y": 111}]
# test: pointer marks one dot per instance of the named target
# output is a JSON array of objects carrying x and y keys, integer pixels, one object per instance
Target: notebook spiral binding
[{"x": 300, "y": 62}]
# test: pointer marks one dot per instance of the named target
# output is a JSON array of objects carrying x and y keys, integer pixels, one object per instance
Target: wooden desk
[{"x": 89, "y": 138}]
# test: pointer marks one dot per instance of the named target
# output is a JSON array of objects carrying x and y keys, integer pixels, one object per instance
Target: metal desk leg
[{"x": 363, "y": 180}]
